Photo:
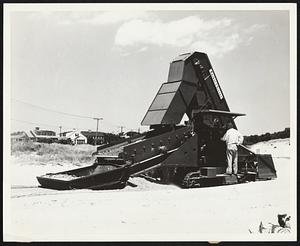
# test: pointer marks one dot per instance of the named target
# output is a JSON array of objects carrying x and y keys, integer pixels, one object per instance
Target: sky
[{"x": 110, "y": 64}]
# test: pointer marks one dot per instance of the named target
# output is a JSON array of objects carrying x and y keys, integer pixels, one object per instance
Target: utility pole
[
  {"x": 60, "y": 131},
  {"x": 121, "y": 127},
  {"x": 95, "y": 143}
]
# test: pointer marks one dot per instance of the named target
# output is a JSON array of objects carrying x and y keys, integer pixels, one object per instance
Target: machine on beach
[{"x": 189, "y": 155}]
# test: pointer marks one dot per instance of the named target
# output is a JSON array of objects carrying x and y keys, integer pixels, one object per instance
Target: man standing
[{"x": 233, "y": 138}]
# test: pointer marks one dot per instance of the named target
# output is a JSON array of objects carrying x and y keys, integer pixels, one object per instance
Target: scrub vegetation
[{"x": 43, "y": 152}]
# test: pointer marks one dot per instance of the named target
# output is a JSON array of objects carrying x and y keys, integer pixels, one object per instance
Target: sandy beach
[{"x": 149, "y": 211}]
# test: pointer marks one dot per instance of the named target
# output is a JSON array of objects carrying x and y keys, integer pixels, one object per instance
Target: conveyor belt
[{"x": 149, "y": 163}]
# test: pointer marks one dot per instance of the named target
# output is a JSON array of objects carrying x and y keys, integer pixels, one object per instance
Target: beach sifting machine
[{"x": 190, "y": 154}]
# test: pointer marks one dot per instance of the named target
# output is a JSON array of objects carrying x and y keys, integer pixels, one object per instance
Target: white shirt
[{"x": 232, "y": 138}]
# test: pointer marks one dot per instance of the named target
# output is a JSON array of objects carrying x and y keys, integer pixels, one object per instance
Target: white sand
[
  {"x": 149, "y": 211},
  {"x": 278, "y": 148}
]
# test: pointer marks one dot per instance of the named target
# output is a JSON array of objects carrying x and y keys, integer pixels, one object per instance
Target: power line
[
  {"x": 52, "y": 110},
  {"x": 34, "y": 123},
  {"x": 64, "y": 113},
  {"x": 58, "y": 126},
  {"x": 106, "y": 122},
  {"x": 110, "y": 123}
]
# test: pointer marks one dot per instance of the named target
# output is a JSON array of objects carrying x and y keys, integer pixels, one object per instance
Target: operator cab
[{"x": 210, "y": 126}]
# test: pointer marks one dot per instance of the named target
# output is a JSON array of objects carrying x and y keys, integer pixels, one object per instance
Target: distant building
[
  {"x": 45, "y": 136},
  {"x": 21, "y": 136},
  {"x": 75, "y": 136},
  {"x": 131, "y": 134},
  {"x": 91, "y": 136}
]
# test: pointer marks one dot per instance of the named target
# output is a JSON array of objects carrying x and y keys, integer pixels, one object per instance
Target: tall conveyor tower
[{"x": 190, "y": 155}]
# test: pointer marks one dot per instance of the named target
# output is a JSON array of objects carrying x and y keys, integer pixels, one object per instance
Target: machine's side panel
[
  {"x": 170, "y": 104},
  {"x": 150, "y": 147},
  {"x": 265, "y": 166},
  {"x": 215, "y": 153},
  {"x": 190, "y": 74},
  {"x": 176, "y": 71},
  {"x": 210, "y": 83},
  {"x": 160, "y": 104},
  {"x": 186, "y": 155},
  {"x": 187, "y": 92},
  {"x": 175, "y": 111},
  {"x": 196, "y": 68},
  {"x": 183, "y": 70},
  {"x": 154, "y": 117},
  {"x": 203, "y": 92}
]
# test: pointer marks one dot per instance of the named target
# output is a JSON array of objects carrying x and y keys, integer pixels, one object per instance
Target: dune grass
[{"x": 43, "y": 152}]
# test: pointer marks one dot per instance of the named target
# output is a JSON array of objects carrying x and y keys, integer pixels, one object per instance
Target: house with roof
[
  {"x": 75, "y": 136},
  {"x": 92, "y": 137},
  {"x": 44, "y": 136},
  {"x": 21, "y": 136},
  {"x": 132, "y": 134}
]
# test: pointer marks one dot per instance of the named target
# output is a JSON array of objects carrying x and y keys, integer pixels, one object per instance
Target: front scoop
[{"x": 96, "y": 176}]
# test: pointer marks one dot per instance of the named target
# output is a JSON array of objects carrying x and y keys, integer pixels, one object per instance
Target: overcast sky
[{"x": 111, "y": 64}]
